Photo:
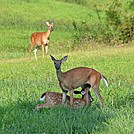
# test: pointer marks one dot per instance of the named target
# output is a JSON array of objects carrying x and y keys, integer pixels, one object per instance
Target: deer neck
[
  {"x": 59, "y": 75},
  {"x": 48, "y": 33}
]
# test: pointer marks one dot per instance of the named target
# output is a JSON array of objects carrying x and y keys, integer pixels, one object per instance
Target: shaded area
[{"x": 20, "y": 117}]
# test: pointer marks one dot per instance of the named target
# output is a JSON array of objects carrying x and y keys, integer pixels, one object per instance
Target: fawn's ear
[
  {"x": 52, "y": 57},
  {"x": 64, "y": 58}
]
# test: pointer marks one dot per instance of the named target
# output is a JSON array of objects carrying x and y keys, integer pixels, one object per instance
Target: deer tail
[
  {"x": 104, "y": 79},
  {"x": 43, "y": 96}
]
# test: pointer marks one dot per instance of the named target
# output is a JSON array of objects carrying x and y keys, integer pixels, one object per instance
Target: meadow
[{"x": 22, "y": 81}]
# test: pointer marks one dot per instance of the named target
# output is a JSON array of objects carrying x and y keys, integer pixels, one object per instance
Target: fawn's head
[
  {"x": 57, "y": 63},
  {"x": 50, "y": 26}
]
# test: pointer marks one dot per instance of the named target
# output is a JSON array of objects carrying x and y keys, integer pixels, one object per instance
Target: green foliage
[
  {"x": 116, "y": 22},
  {"x": 120, "y": 22}
]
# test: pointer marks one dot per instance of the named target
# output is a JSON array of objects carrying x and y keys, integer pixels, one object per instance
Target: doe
[
  {"x": 41, "y": 39},
  {"x": 78, "y": 77}
]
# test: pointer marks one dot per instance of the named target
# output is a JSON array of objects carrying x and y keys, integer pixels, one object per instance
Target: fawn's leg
[{"x": 40, "y": 106}]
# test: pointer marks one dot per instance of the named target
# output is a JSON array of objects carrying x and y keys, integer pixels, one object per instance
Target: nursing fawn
[{"x": 78, "y": 77}]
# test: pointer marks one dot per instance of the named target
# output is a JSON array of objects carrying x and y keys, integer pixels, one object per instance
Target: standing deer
[
  {"x": 77, "y": 77},
  {"x": 41, "y": 39},
  {"x": 52, "y": 99}
]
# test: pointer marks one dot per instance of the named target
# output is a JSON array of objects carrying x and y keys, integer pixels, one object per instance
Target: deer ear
[
  {"x": 47, "y": 23},
  {"x": 52, "y": 57},
  {"x": 52, "y": 21},
  {"x": 64, "y": 58}
]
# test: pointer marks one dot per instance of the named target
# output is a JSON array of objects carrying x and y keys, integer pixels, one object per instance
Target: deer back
[
  {"x": 77, "y": 77},
  {"x": 39, "y": 38}
]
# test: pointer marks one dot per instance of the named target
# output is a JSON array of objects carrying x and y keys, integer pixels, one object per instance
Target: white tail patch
[
  {"x": 43, "y": 98},
  {"x": 104, "y": 79}
]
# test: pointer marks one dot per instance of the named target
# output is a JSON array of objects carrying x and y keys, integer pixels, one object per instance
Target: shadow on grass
[{"x": 20, "y": 117}]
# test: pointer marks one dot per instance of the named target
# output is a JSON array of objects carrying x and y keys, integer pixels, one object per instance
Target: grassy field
[
  {"x": 22, "y": 81},
  {"x": 20, "y": 18}
]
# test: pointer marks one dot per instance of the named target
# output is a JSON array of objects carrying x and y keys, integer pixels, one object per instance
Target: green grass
[
  {"x": 20, "y": 18},
  {"x": 23, "y": 82}
]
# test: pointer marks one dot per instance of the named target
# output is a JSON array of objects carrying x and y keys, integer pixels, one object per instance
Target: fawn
[{"x": 53, "y": 98}]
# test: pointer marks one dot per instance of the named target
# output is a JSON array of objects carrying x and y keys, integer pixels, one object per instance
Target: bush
[{"x": 116, "y": 27}]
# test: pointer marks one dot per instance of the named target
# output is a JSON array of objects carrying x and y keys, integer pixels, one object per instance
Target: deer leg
[
  {"x": 31, "y": 46},
  {"x": 87, "y": 96},
  {"x": 85, "y": 90},
  {"x": 64, "y": 95},
  {"x": 40, "y": 106},
  {"x": 42, "y": 50},
  {"x": 90, "y": 97},
  {"x": 71, "y": 97},
  {"x": 46, "y": 49},
  {"x": 35, "y": 52},
  {"x": 98, "y": 95}
]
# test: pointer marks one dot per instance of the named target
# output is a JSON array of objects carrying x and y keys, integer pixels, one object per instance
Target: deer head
[
  {"x": 57, "y": 63},
  {"x": 50, "y": 26}
]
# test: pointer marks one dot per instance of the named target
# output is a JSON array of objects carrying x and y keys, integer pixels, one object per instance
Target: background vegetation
[
  {"x": 82, "y": 22},
  {"x": 97, "y": 34}
]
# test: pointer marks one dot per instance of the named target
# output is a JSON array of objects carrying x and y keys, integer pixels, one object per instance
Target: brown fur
[
  {"x": 53, "y": 98},
  {"x": 41, "y": 39},
  {"x": 77, "y": 77}
]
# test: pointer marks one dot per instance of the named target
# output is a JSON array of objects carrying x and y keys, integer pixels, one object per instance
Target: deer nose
[
  {"x": 57, "y": 67},
  {"x": 52, "y": 29}
]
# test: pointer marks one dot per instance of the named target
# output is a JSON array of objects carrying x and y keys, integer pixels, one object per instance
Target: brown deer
[
  {"x": 41, "y": 39},
  {"x": 53, "y": 98},
  {"x": 78, "y": 77}
]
